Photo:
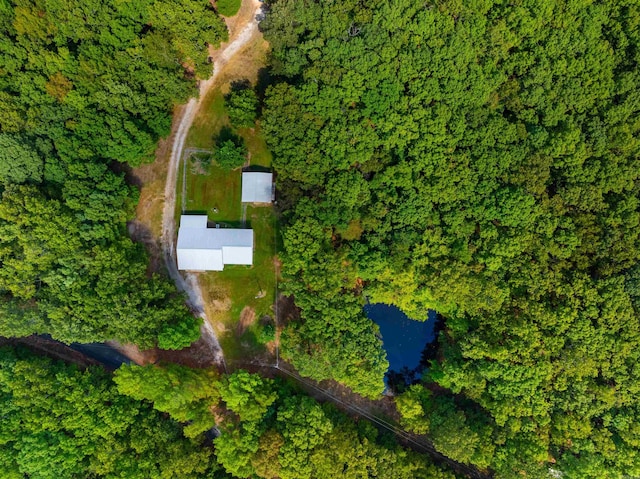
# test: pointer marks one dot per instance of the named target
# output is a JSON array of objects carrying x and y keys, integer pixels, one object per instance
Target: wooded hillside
[
  {"x": 270, "y": 430},
  {"x": 479, "y": 159},
  {"x": 59, "y": 422},
  {"x": 83, "y": 86}
]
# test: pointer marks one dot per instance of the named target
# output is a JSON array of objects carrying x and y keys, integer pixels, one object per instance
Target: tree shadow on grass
[
  {"x": 227, "y": 134},
  {"x": 256, "y": 169},
  {"x": 195, "y": 212}
]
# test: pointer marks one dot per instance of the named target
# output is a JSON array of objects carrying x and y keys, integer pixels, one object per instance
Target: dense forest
[
  {"x": 85, "y": 85},
  {"x": 60, "y": 421},
  {"x": 270, "y": 430},
  {"x": 479, "y": 159}
]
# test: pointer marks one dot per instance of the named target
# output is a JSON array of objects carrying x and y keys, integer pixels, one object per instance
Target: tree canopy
[
  {"x": 241, "y": 104},
  {"x": 269, "y": 430},
  {"x": 59, "y": 421},
  {"x": 83, "y": 86},
  {"x": 479, "y": 159},
  {"x": 280, "y": 433},
  {"x": 187, "y": 395}
]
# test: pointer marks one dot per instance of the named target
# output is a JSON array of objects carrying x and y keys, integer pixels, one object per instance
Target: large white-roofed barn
[{"x": 201, "y": 248}]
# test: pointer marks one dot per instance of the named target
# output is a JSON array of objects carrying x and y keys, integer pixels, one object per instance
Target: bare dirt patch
[
  {"x": 247, "y": 318},
  {"x": 198, "y": 355},
  {"x": 133, "y": 352},
  {"x": 287, "y": 311},
  {"x": 246, "y": 63},
  {"x": 220, "y": 304},
  {"x": 277, "y": 265}
]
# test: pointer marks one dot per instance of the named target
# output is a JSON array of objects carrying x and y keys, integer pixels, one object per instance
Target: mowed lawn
[
  {"x": 239, "y": 287},
  {"x": 218, "y": 193},
  {"x": 218, "y": 190}
]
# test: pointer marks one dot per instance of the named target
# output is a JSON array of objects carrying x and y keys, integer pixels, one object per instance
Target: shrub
[
  {"x": 242, "y": 104},
  {"x": 230, "y": 155},
  {"x": 180, "y": 335},
  {"x": 267, "y": 333}
]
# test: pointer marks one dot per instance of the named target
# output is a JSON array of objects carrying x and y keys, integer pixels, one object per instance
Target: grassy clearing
[
  {"x": 259, "y": 153},
  {"x": 210, "y": 119},
  {"x": 227, "y": 293},
  {"x": 246, "y": 64},
  {"x": 216, "y": 193},
  {"x": 228, "y": 8}
]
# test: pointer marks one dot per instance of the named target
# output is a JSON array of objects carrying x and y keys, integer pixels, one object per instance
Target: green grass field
[
  {"x": 229, "y": 292},
  {"x": 210, "y": 119},
  {"x": 244, "y": 286},
  {"x": 228, "y": 8},
  {"x": 260, "y": 154},
  {"x": 218, "y": 190}
]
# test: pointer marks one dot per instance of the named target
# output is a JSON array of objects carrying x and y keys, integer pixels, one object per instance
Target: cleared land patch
[{"x": 217, "y": 193}]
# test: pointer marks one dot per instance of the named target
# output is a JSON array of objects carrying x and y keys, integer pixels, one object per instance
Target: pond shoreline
[{"x": 409, "y": 343}]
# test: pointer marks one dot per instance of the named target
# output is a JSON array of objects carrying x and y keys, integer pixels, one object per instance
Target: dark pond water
[
  {"x": 103, "y": 353},
  {"x": 403, "y": 339}
]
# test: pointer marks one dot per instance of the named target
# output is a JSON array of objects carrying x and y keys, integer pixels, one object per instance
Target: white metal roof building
[
  {"x": 257, "y": 187},
  {"x": 209, "y": 249}
]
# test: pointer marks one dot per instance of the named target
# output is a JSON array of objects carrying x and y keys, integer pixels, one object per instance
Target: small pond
[
  {"x": 103, "y": 353},
  {"x": 403, "y": 339}
]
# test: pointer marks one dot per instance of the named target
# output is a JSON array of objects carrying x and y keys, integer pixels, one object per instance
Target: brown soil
[
  {"x": 217, "y": 305},
  {"x": 198, "y": 355},
  {"x": 277, "y": 265},
  {"x": 246, "y": 63},
  {"x": 247, "y": 318},
  {"x": 287, "y": 311}
]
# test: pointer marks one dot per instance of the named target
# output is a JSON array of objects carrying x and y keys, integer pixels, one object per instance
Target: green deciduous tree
[
  {"x": 57, "y": 271},
  {"x": 413, "y": 407},
  {"x": 228, "y": 8},
  {"x": 187, "y": 395},
  {"x": 18, "y": 162},
  {"x": 479, "y": 159},
  {"x": 248, "y": 395},
  {"x": 230, "y": 154},
  {"x": 241, "y": 104},
  {"x": 59, "y": 421},
  {"x": 193, "y": 26},
  {"x": 296, "y": 437},
  {"x": 85, "y": 85}
]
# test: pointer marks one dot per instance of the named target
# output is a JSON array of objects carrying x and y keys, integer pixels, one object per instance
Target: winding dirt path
[{"x": 244, "y": 31}]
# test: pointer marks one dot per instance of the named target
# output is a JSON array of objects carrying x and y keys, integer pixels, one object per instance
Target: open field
[
  {"x": 208, "y": 122},
  {"x": 227, "y": 293},
  {"x": 216, "y": 194}
]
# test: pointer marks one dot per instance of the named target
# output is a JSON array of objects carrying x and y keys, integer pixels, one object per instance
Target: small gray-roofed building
[
  {"x": 208, "y": 249},
  {"x": 257, "y": 187}
]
